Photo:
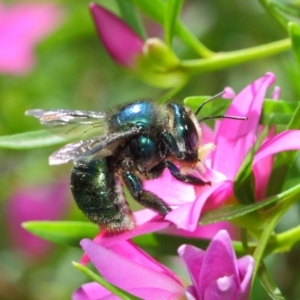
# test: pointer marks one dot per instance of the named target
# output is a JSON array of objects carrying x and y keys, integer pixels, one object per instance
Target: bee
[{"x": 126, "y": 146}]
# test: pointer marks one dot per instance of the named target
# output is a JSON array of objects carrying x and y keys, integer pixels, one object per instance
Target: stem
[
  {"x": 286, "y": 240},
  {"x": 229, "y": 59},
  {"x": 269, "y": 284},
  {"x": 186, "y": 36}
]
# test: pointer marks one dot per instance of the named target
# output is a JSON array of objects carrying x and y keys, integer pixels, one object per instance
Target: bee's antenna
[
  {"x": 208, "y": 100},
  {"x": 218, "y": 116},
  {"x": 223, "y": 117}
]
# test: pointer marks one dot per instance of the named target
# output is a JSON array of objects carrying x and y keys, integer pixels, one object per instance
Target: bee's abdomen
[{"x": 99, "y": 195}]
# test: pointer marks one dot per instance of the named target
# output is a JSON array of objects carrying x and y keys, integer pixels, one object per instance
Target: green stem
[
  {"x": 286, "y": 240},
  {"x": 229, "y": 59},
  {"x": 274, "y": 215},
  {"x": 186, "y": 36},
  {"x": 269, "y": 284}
]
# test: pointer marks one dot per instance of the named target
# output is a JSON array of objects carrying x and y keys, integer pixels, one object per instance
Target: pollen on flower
[{"x": 204, "y": 150}]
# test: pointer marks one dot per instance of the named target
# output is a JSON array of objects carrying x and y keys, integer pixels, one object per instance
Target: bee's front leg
[
  {"x": 145, "y": 198},
  {"x": 182, "y": 177}
]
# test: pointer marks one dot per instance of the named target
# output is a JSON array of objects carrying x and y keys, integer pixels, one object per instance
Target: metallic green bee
[{"x": 128, "y": 146}]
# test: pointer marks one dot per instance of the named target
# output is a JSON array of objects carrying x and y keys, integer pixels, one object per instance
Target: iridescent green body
[{"x": 98, "y": 193}]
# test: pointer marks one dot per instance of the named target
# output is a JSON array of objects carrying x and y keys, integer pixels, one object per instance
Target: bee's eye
[
  {"x": 190, "y": 133},
  {"x": 184, "y": 127}
]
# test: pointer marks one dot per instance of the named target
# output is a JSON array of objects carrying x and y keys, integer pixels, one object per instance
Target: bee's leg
[
  {"x": 98, "y": 193},
  {"x": 155, "y": 172},
  {"x": 171, "y": 144},
  {"x": 145, "y": 198},
  {"x": 182, "y": 177}
]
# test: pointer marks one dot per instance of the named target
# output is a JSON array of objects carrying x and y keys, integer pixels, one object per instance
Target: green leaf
[
  {"x": 172, "y": 11},
  {"x": 243, "y": 186},
  {"x": 294, "y": 31},
  {"x": 110, "y": 287},
  {"x": 268, "y": 283},
  {"x": 30, "y": 139},
  {"x": 62, "y": 232},
  {"x": 241, "y": 214},
  {"x": 273, "y": 113},
  {"x": 129, "y": 15},
  {"x": 244, "y": 181}
]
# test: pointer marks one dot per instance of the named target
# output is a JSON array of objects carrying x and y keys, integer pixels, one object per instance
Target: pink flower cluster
[{"x": 215, "y": 273}]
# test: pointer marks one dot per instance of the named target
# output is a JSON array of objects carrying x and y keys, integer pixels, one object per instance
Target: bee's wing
[
  {"x": 71, "y": 124},
  {"x": 95, "y": 148}
]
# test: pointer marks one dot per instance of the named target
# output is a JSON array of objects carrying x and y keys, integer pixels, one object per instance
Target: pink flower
[
  {"x": 214, "y": 272},
  {"x": 120, "y": 41},
  {"x": 233, "y": 140},
  {"x": 21, "y": 27},
  {"x": 44, "y": 202}
]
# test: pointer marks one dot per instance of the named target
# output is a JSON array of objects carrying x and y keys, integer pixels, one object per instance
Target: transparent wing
[
  {"x": 71, "y": 124},
  {"x": 96, "y": 147}
]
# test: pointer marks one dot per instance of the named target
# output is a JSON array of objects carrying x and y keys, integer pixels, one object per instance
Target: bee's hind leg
[{"x": 145, "y": 198}]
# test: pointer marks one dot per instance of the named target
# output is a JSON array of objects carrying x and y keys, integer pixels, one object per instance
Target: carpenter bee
[{"x": 127, "y": 146}]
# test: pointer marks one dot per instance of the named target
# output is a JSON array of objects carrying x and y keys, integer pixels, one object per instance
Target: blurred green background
[{"x": 72, "y": 70}]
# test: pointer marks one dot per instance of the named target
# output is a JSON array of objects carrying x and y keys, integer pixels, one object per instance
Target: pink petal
[
  {"x": 205, "y": 231},
  {"x": 208, "y": 135},
  {"x": 246, "y": 266},
  {"x": 21, "y": 27},
  {"x": 120, "y": 41},
  {"x": 187, "y": 215},
  {"x": 223, "y": 288},
  {"x": 172, "y": 191},
  {"x": 147, "y": 221},
  {"x": 219, "y": 261},
  {"x": 129, "y": 250},
  {"x": 284, "y": 141},
  {"x": 235, "y": 138},
  {"x": 276, "y": 93},
  {"x": 193, "y": 258},
  {"x": 93, "y": 291},
  {"x": 229, "y": 93},
  {"x": 262, "y": 170},
  {"x": 125, "y": 273}
]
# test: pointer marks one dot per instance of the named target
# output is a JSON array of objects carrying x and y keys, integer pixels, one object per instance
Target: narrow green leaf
[
  {"x": 244, "y": 181},
  {"x": 172, "y": 11},
  {"x": 129, "y": 15},
  {"x": 294, "y": 31},
  {"x": 110, "y": 287},
  {"x": 236, "y": 211},
  {"x": 29, "y": 140},
  {"x": 263, "y": 242},
  {"x": 273, "y": 113},
  {"x": 268, "y": 283},
  {"x": 62, "y": 232}
]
